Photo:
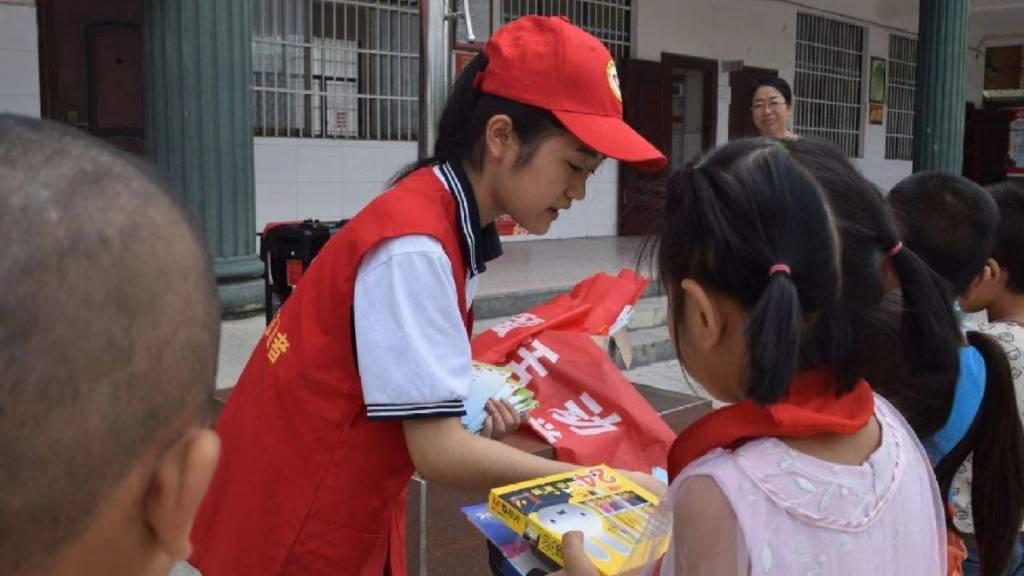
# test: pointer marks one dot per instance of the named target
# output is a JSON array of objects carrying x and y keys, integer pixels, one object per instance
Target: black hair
[
  {"x": 774, "y": 82},
  {"x": 925, "y": 331},
  {"x": 1008, "y": 249},
  {"x": 464, "y": 120},
  {"x": 102, "y": 357},
  {"x": 996, "y": 440},
  {"x": 949, "y": 221},
  {"x": 727, "y": 221}
]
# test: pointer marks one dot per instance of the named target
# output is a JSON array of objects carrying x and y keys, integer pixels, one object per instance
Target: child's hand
[
  {"x": 502, "y": 419},
  {"x": 576, "y": 561},
  {"x": 648, "y": 482}
]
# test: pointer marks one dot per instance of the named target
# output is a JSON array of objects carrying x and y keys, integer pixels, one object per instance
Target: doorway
[
  {"x": 673, "y": 103},
  {"x": 91, "y": 68}
]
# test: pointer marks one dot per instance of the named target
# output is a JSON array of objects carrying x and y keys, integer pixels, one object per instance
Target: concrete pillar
[
  {"x": 941, "y": 85},
  {"x": 198, "y": 71},
  {"x": 435, "y": 63}
]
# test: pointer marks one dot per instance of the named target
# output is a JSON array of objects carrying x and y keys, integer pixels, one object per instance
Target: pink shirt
[{"x": 798, "y": 515}]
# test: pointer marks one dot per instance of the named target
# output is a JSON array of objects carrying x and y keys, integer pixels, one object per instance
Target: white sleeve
[{"x": 412, "y": 350}]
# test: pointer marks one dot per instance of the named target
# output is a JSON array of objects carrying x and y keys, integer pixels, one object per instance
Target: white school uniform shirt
[{"x": 412, "y": 350}]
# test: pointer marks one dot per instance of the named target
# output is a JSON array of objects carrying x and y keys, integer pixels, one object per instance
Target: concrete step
[
  {"x": 511, "y": 303},
  {"x": 669, "y": 375},
  {"x": 649, "y": 312},
  {"x": 650, "y": 345}
]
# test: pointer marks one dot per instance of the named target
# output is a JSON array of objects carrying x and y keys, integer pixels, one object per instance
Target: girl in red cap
[{"x": 360, "y": 379}]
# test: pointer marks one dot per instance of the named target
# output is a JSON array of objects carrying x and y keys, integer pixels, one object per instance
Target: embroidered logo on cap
[{"x": 613, "y": 80}]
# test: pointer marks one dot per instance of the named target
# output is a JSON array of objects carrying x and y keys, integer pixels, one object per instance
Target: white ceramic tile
[
  {"x": 602, "y": 218},
  {"x": 320, "y": 163},
  {"x": 362, "y": 163},
  {"x": 18, "y": 28},
  {"x": 392, "y": 157},
  {"x": 571, "y": 223},
  {"x": 274, "y": 161},
  {"x": 19, "y": 72},
  {"x": 274, "y": 202},
  {"x": 357, "y": 195},
  {"x": 24, "y": 105},
  {"x": 323, "y": 201}
]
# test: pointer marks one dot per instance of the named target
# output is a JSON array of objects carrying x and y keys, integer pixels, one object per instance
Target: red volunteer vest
[{"x": 306, "y": 483}]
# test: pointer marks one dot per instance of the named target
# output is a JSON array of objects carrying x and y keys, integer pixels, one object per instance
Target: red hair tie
[
  {"x": 895, "y": 249},
  {"x": 779, "y": 268}
]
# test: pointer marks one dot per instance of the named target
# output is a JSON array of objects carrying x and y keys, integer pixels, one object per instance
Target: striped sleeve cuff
[{"x": 410, "y": 411}]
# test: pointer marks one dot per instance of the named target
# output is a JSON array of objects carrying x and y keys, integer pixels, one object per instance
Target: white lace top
[{"x": 798, "y": 515}]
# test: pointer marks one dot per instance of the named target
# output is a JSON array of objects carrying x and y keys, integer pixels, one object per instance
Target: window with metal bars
[
  {"x": 899, "y": 122},
  {"x": 336, "y": 69},
  {"x": 828, "y": 81},
  {"x": 608, "y": 20}
]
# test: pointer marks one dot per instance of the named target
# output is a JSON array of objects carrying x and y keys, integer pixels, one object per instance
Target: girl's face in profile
[{"x": 555, "y": 176}]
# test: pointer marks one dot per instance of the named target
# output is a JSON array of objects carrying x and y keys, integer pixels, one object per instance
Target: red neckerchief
[{"x": 811, "y": 408}]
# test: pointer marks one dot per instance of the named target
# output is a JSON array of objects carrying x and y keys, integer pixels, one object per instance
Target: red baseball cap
[{"x": 549, "y": 63}]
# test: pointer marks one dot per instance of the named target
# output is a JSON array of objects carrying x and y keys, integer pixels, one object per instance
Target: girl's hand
[
  {"x": 501, "y": 421},
  {"x": 576, "y": 561}
]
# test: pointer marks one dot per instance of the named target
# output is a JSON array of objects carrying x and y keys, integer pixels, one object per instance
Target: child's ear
[
  {"x": 981, "y": 291},
  {"x": 183, "y": 474},
  {"x": 890, "y": 280},
  {"x": 703, "y": 315},
  {"x": 500, "y": 138},
  {"x": 996, "y": 273}
]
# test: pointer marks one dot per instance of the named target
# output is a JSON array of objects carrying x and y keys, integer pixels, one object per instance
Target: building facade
[{"x": 335, "y": 83}]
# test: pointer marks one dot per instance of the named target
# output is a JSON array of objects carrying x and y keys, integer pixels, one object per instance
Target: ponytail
[
  {"x": 996, "y": 439},
  {"x": 749, "y": 223},
  {"x": 930, "y": 336},
  {"x": 464, "y": 121},
  {"x": 773, "y": 331},
  {"x": 906, "y": 345}
]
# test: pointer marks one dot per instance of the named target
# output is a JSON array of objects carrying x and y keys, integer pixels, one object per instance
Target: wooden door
[
  {"x": 986, "y": 145},
  {"x": 646, "y": 97},
  {"x": 91, "y": 67},
  {"x": 115, "y": 84},
  {"x": 673, "y": 103},
  {"x": 741, "y": 84},
  {"x": 693, "y": 86}
]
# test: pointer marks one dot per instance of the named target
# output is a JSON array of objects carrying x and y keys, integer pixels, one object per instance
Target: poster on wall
[
  {"x": 875, "y": 112},
  {"x": 1015, "y": 156},
  {"x": 877, "y": 92}
]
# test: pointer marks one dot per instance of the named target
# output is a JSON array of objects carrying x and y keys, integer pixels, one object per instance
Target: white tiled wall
[
  {"x": 330, "y": 179},
  {"x": 19, "y": 59},
  {"x": 325, "y": 179}
]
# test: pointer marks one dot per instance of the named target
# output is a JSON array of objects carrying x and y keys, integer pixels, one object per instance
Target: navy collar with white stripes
[{"x": 479, "y": 245}]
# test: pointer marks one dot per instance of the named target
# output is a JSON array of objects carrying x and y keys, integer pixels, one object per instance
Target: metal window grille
[
  {"x": 336, "y": 69},
  {"x": 608, "y": 20},
  {"x": 899, "y": 125},
  {"x": 828, "y": 83}
]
